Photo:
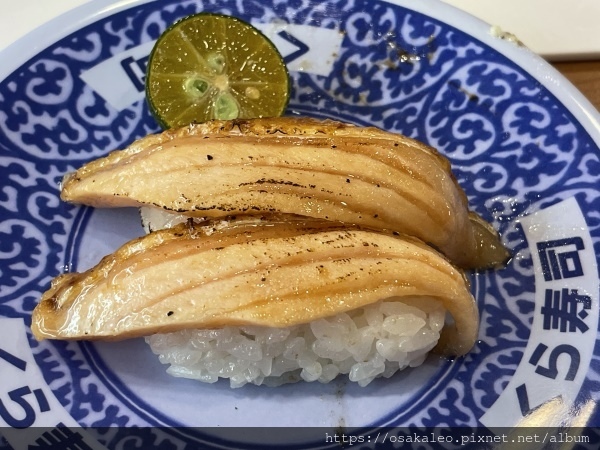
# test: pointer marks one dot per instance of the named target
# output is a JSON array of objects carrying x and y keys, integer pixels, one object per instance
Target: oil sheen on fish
[
  {"x": 253, "y": 271},
  {"x": 321, "y": 169}
]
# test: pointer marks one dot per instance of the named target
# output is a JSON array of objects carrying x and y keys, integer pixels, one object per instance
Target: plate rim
[{"x": 565, "y": 93}]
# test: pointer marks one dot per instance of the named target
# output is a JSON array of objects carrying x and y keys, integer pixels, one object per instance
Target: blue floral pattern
[{"x": 514, "y": 149}]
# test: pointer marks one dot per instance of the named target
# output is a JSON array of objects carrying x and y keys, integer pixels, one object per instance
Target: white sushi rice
[{"x": 375, "y": 341}]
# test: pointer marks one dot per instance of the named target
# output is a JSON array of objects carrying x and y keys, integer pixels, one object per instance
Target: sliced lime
[{"x": 211, "y": 66}]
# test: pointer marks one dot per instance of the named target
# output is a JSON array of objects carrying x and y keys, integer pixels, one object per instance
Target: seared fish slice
[
  {"x": 326, "y": 170},
  {"x": 259, "y": 271}
]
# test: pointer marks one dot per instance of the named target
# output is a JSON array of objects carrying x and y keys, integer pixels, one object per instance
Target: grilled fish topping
[
  {"x": 321, "y": 169},
  {"x": 266, "y": 271}
]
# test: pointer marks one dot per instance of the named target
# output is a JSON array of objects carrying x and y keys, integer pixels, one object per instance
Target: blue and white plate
[{"x": 524, "y": 145}]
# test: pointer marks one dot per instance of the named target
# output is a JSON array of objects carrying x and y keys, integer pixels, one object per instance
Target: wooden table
[{"x": 585, "y": 75}]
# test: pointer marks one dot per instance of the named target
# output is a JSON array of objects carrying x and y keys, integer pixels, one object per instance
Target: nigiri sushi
[
  {"x": 276, "y": 250},
  {"x": 266, "y": 299},
  {"x": 322, "y": 169}
]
